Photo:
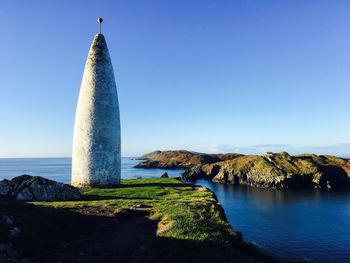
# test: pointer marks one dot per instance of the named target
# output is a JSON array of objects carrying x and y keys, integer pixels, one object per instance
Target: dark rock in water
[
  {"x": 36, "y": 188},
  {"x": 164, "y": 175}
]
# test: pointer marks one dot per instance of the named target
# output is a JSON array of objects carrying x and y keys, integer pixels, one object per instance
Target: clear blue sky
[{"x": 200, "y": 75}]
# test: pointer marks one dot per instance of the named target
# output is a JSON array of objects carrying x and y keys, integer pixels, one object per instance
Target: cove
[{"x": 310, "y": 226}]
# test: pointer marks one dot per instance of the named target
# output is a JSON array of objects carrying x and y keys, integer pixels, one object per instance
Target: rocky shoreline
[{"x": 272, "y": 170}]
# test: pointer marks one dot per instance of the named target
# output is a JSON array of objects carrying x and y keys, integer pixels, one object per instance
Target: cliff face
[
  {"x": 279, "y": 171},
  {"x": 273, "y": 170},
  {"x": 181, "y": 159}
]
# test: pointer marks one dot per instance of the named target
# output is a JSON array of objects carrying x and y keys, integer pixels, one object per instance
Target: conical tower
[{"x": 96, "y": 143}]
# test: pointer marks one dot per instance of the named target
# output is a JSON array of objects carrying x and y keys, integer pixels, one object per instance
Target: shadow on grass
[{"x": 62, "y": 235}]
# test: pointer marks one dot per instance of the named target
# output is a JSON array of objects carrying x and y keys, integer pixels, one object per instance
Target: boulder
[
  {"x": 15, "y": 232},
  {"x": 36, "y": 188},
  {"x": 164, "y": 175}
]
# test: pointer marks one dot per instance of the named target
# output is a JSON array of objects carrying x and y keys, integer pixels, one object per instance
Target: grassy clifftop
[{"x": 144, "y": 220}]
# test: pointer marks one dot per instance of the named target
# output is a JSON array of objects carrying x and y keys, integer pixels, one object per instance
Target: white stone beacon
[{"x": 96, "y": 143}]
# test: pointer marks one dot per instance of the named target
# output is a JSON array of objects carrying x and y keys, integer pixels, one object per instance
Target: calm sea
[{"x": 309, "y": 226}]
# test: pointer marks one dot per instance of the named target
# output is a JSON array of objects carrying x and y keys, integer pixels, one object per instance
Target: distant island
[{"x": 272, "y": 170}]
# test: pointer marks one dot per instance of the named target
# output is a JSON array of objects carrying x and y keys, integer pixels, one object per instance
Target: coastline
[
  {"x": 260, "y": 214},
  {"x": 271, "y": 170}
]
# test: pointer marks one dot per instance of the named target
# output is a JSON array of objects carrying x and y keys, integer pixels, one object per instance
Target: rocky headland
[
  {"x": 181, "y": 159},
  {"x": 272, "y": 170}
]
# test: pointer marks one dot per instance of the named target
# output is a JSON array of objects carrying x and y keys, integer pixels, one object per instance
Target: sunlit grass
[{"x": 189, "y": 212}]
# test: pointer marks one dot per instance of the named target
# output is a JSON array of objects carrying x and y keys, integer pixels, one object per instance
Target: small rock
[
  {"x": 5, "y": 187},
  {"x": 164, "y": 175},
  {"x": 8, "y": 253},
  {"x": 142, "y": 206},
  {"x": 14, "y": 232},
  {"x": 6, "y": 220}
]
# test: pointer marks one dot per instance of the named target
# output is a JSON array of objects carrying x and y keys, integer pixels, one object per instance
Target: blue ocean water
[
  {"x": 59, "y": 169},
  {"x": 309, "y": 226}
]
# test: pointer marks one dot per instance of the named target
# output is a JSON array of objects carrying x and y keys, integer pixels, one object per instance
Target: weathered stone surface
[
  {"x": 15, "y": 232},
  {"x": 96, "y": 143},
  {"x": 36, "y": 188},
  {"x": 5, "y": 187}
]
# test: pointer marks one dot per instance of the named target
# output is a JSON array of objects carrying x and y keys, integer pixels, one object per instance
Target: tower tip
[{"x": 99, "y": 21}]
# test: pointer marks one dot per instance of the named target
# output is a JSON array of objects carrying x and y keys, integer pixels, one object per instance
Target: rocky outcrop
[
  {"x": 278, "y": 171},
  {"x": 36, "y": 188},
  {"x": 164, "y": 175},
  {"x": 181, "y": 159}
]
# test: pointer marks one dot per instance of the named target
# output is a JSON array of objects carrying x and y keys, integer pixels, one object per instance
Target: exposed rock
[
  {"x": 36, "y": 188},
  {"x": 8, "y": 253},
  {"x": 277, "y": 171},
  {"x": 197, "y": 172},
  {"x": 6, "y": 220},
  {"x": 14, "y": 232},
  {"x": 181, "y": 159},
  {"x": 5, "y": 187},
  {"x": 164, "y": 175}
]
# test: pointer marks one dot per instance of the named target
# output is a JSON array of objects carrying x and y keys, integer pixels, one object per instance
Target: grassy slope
[
  {"x": 191, "y": 224},
  {"x": 280, "y": 165}
]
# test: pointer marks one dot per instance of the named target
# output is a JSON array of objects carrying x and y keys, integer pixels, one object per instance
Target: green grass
[
  {"x": 191, "y": 223},
  {"x": 185, "y": 211}
]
